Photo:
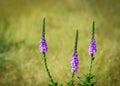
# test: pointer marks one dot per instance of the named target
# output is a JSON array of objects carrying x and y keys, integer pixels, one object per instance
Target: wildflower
[
  {"x": 74, "y": 62},
  {"x": 92, "y": 46},
  {"x": 43, "y": 45},
  {"x": 74, "y": 58}
]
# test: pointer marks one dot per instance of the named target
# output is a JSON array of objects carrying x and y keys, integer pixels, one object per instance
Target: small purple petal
[
  {"x": 92, "y": 47},
  {"x": 74, "y": 62},
  {"x": 43, "y": 45}
]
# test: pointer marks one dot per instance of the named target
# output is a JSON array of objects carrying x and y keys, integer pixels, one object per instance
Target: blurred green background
[{"x": 21, "y": 63}]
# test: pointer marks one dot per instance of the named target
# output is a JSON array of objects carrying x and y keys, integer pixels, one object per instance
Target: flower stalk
[
  {"x": 92, "y": 49},
  {"x": 43, "y": 48},
  {"x": 46, "y": 67},
  {"x": 74, "y": 61}
]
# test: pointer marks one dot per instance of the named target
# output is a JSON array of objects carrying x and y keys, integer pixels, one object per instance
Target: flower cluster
[
  {"x": 43, "y": 45},
  {"x": 92, "y": 47},
  {"x": 74, "y": 62}
]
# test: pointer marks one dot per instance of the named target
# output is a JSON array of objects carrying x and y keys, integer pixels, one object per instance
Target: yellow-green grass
[{"x": 21, "y": 63}]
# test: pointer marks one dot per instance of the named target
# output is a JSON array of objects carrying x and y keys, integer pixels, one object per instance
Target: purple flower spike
[
  {"x": 92, "y": 47},
  {"x": 74, "y": 62},
  {"x": 43, "y": 45}
]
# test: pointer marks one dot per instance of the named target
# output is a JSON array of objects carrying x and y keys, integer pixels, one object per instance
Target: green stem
[
  {"x": 93, "y": 29},
  {"x": 43, "y": 28},
  {"x": 92, "y": 55},
  {"x": 91, "y": 61},
  {"x": 76, "y": 41},
  {"x": 90, "y": 69},
  {"x": 73, "y": 74},
  {"x": 46, "y": 67}
]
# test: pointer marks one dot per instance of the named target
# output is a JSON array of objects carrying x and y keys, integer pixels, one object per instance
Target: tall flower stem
[
  {"x": 46, "y": 67},
  {"x": 91, "y": 50},
  {"x": 92, "y": 53},
  {"x": 74, "y": 61},
  {"x": 43, "y": 48}
]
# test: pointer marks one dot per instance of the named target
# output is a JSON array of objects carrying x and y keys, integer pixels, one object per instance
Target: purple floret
[
  {"x": 74, "y": 62},
  {"x": 92, "y": 47},
  {"x": 43, "y": 45}
]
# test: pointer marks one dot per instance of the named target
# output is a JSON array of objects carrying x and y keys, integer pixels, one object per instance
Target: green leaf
[
  {"x": 53, "y": 84},
  {"x": 87, "y": 78},
  {"x": 82, "y": 80},
  {"x": 60, "y": 84},
  {"x": 92, "y": 76},
  {"x": 70, "y": 83}
]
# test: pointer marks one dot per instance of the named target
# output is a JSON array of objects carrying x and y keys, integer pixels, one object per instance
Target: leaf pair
[{"x": 87, "y": 80}]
